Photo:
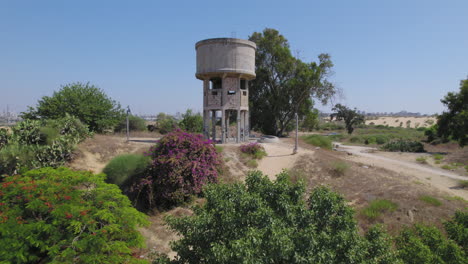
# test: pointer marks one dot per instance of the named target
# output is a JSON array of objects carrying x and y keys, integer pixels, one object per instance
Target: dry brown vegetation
[{"x": 362, "y": 184}]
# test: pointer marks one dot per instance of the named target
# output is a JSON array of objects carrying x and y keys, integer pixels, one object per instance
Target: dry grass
[{"x": 361, "y": 186}]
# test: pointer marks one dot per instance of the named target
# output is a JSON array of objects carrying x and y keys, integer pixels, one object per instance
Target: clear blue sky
[{"x": 388, "y": 55}]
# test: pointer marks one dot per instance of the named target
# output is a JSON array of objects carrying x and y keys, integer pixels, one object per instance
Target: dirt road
[{"x": 439, "y": 178}]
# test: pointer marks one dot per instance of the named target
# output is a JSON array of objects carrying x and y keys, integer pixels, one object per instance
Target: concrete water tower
[{"x": 226, "y": 65}]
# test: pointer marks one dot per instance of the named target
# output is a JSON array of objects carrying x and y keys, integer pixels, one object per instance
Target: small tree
[
  {"x": 311, "y": 120},
  {"x": 454, "y": 122},
  {"x": 165, "y": 123},
  {"x": 270, "y": 222},
  {"x": 135, "y": 123},
  {"x": 191, "y": 122},
  {"x": 82, "y": 100},
  {"x": 350, "y": 117}
]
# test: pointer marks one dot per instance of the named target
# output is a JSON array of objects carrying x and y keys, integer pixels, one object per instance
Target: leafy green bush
[
  {"x": 135, "y": 123},
  {"x": 48, "y": 134},
  {"x": 377, "y": 207},
  {"x": 36, "y": 144},
  {"x": 123, "y": 167},
  {"x": 27, "y": 132},
  {"x": 331, "y": 126},
  {"x": 319, "y": 141},
  {"x": 16, "y": 158},
  {"x": 167, "y": 125},
  {"x": 424, "y": 244},
  {"x": 70, "y": 127},
  {"x": 4, "y": 137},
  {"x": 181, "y": 164},
  {"x": 191, "y": 122},
  {"x": 404, "y": 146},
  {"x": 270, "y": 222},
  {"x": 381, "y": 139},
  {"x": 457, "y": 229},
  {"x": 64, "y": 216},
  {"x": 430, "y": 200}
]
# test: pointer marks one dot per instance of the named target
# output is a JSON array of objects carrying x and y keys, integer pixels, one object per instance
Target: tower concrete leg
[
  {"x": 206, "y": 117},
  {"x": 213, "y": 125},
  {"x": 223, "y": 127},
  {"x": 238, "y": 139},
  {"x": 228, "y": 131},
  {"x": 247, "y": 125}
]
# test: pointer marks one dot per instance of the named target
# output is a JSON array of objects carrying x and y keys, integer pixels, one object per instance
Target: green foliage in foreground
[
  {"x": 457, "y": 229},
  {"x": 123, "y": 167},
  {"x": 318, "y": 140},
  {"x": 270, "y": 222},
  {"x": 424, "y": 244},
  {"x": 64, "y": 216}
]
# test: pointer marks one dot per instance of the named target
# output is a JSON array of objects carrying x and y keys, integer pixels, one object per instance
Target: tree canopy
[
  {"x": 349, "y": 116},
  {"x": 453, "y": 123},
  {"x": 85, "y": 101},
  {"x": 285, "y": 84}
]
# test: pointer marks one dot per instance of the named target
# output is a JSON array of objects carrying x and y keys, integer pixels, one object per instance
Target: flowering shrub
[
  {"x": 182, "y": 163},
  {"x": 59, "y": 215},
  {"x": 253, "y": 149}
]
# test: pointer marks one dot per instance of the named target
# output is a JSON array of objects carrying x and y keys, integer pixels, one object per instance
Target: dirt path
[
  {"x": 438, "y": 178},
  {"x": 280, "y": 157}
]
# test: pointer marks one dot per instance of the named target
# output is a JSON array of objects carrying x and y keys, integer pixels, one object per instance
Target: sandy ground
[
  {"x": 280, "y": 156},
  {"x": 395, "y": 121},
  {"x": 443, "y": 180}
]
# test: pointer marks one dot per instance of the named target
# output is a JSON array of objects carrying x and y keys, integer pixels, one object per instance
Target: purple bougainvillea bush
[{"x": 182, "y": 163}]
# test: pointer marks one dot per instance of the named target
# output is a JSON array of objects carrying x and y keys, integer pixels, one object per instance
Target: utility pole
[
  {"x": 128, "y": 126},
  {"x": 297, "y": 132}
]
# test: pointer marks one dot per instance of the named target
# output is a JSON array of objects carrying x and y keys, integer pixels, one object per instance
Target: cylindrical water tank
[{"x": 225, "y": 55}]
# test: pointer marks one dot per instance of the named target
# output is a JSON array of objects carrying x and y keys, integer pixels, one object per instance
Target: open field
[{"x": 392, "y": 121}]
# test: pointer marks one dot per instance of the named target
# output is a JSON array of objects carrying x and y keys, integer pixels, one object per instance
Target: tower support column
[
  {"x": 206, "y": 130},
  {"x": 223, "y": 127},
  {"x": 213, "y": 125}
]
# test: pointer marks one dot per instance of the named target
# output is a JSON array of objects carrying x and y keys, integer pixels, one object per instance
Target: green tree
[
  {"x": 454, "y": 122},
  {"x": 135, "y": 123},
  {"x": 270, "y": 222},
  {"x": 165, "y": 123},
  {"x": 85, "y": 101},
  {"x": 426, "y": 244},
  {"x": 349, "y": 116},
  {"x": 191, "y": 122},
  {"x": 284, "y": 84},
  {"x": 311, "y": 120}
]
